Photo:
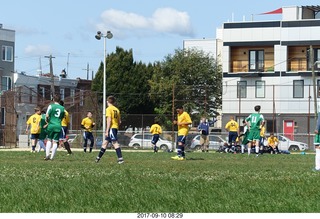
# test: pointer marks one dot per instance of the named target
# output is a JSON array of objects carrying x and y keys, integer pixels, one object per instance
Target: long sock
[
  {"x": 182, "y": 152},
  {"x": 91, "y": 146},
  {"x": 118, "y": 152},
  {"x": 67, "y": 146},
  {"x": 33, "y": 148},
  {"x": 101, "y": 153},
  {"x": 257, "y": 149},
  {"x": 317, "y": 159},
  {"x": 249, "y": 149},
  {"x": 242, "y": 148},
  {"x": 179, "y": 150},
  {"x": 48, "y": 148},
  {"x": 54, "y": 150}
]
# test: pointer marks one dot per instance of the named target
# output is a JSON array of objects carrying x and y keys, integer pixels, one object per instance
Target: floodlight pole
[{"x": 109, "y": 35}]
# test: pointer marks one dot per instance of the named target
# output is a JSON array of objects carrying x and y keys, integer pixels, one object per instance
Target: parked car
[
  {"x": 215, "y": 141},
  {"x": 285, "y": 144},
  {"x": 143, "y": 141},
  {"x": 123, "y": 140}
]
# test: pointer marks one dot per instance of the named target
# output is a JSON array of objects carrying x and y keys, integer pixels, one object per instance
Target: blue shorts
[
  {"x": 88, "y": 135},
  {"x": 155, "y": 139},
  {"x": 34, "y": 136},
  {"x": 182, "y": 139},
  {"x": 63, "y": 133},
  {"x": 113, "y": 135}
]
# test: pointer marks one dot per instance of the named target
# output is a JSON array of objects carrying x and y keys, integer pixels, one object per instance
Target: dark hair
[
  {"x": 243, "y": 121},
  {"x": 257, "y": 108},
  {"x": 61, "y": 102},
  {"x": 179, "y": 107},
  {"x": 56, "y": 98}
]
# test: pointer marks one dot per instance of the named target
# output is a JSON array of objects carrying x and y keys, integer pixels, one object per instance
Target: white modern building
[{"x": 273, "y": 64}]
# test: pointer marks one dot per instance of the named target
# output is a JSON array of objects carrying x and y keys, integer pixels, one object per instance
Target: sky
[{"x": 152, "y": 29}]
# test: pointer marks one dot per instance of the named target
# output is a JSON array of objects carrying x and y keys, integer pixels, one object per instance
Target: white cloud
[
  {"x": 38, "y": 50},
  {"x": 163, "y": 20}
]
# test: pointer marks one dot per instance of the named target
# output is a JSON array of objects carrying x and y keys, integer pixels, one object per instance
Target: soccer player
[
  {"x": 156, "y": 131},
  {"x": 317, "y": 145},
  {"x": 244, "y": 136},
  {"x": 273, "y": 144},
  {"x": 64, "y": 129},
  {"x": 113, "y": 122},
  {"x": 87, "y": 124},
  {"x": 203, "y": 127},
  {"x": 183, "y": 123},
  {"x": 233, "y": 128},
  {"x": 34, "y": 124},
  {"x": 262, "y": 139},
  {"x": 43, "y": 131},
  {"x": 54, "y": 116},
  {"x": 255, "y": 122}
]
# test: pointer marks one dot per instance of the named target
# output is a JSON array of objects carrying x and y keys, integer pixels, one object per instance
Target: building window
[
  {"x": 242, "y": 89},
  {"x": 81, "y": 97},
  {"x": 43, "y": 92},
  {"x": 62, "y": 93},
  {"x": 6, "y": 83},
  {"x": 72, "y": 94},
  {"x": 318, "y": 88},
  {"x": 256, "y": 60},
  {"x": 7, "y": 53},
  {"x": 3, "y": 116},
  {"x": 260, "y": 89},
  {"x": 298, "y": 86}
]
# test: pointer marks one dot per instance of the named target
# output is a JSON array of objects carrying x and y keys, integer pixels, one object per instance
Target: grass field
[{"x": 147, "y": 182}]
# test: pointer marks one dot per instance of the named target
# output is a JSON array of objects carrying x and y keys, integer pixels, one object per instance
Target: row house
[
  {"x": 274, "y": 64},
  {"x": 35, "y": 91},
  {"x": 7, "y": 42}
]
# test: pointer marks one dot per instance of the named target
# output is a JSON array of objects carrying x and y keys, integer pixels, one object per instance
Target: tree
[
  {"x": 191, "y": 78},
  {"x": 127, "y": 81}
]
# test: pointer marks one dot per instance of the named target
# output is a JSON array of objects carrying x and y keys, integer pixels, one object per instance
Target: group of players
[
  {"x": 51, "y": 125},
  {"x": 253, "y": 135}
]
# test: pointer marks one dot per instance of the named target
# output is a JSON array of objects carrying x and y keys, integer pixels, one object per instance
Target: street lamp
[{"x": 98, "y": 36}]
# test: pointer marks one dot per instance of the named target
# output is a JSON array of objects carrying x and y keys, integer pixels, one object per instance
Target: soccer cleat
[
  {"x": 120, "y": 161},
  {"x": 315, "y": 170},
  {"x": 181, "y": 158},
  {"x": 97, "y": 160},
  {"x": 175, "y": 157},
  {"x": 47, "y": 158}
]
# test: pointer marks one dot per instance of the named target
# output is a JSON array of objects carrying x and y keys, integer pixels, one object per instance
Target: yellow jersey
[
  {"x": 87, "y": 123},
  {"x": 272, "y": 141},
  {"x": 232, "y": 126},
  {"x": 156, "y": 129},
  {"x": 262, "y": 131},
  {"x": 183, "y": 129},
  {"x": 34, "y": 122},
  {"x": 65, "y": 121},
  {"x": 114, "y": 113}
]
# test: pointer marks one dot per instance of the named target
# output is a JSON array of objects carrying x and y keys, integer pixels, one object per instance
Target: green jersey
[
  {"x": 43, "y": 132},
  {"x": 255, "y": 120},
  {"x": 55, "y": 114}
]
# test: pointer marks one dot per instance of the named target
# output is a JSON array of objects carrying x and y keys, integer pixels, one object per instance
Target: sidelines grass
[{"x": 147, "y": 182}]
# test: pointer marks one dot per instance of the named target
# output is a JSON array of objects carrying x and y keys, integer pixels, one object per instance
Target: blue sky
[{"x": 152, "y": 29}]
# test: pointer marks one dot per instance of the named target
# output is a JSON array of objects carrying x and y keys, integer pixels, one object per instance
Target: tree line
[{"x": 189, "y": 78}]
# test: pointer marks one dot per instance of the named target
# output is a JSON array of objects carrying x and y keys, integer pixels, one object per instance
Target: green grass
[{"x": 147, "y": 182}]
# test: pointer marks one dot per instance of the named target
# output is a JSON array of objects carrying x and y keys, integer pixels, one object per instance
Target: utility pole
[
  {"x": 173, "y": 111},
  {"x": 87, "y": 69},
  {"x": 312, "y": 62},
  {"x": 51, "y": 74}
]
